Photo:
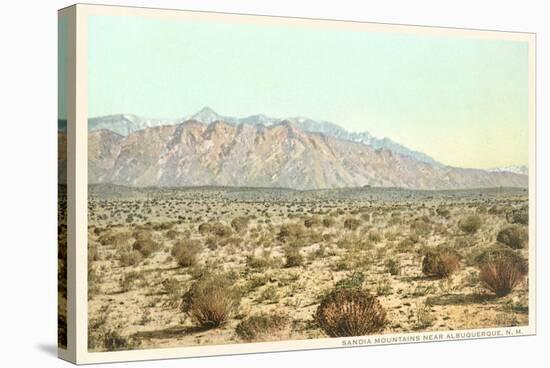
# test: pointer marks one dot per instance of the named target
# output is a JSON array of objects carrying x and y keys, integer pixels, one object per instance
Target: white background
[{"x": 28, "y": 149}]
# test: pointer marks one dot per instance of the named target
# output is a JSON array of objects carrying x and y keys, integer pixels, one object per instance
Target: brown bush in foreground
[
  {"x": 350, "y": 312},
  {"x": 501, "y": 270},
  {"x": 211, "y": 300},
  {"x": 262, "y": 327},
  {"x": 185, "y": 252},
  {"x": 514, "y": 236},
  {"x": 440, "y": 263}
]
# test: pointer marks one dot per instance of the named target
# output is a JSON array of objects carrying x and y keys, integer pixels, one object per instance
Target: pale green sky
[{"x": 462, "y": 101}]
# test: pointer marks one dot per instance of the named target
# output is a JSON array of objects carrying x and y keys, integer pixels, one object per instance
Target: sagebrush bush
[
  {"x": 328, "y": 222},
  {"x": 470, "y": 224},
  {"x": 355, "y": 280},
  {"x": 220, "y": 230},
  {"x": 350, "y": 312},
  {"x": 519, "y": 217},
  {"x": 205, "y": 228},
  {"x": 113, "y": 341},
  {"x": 514, "y": 236},
  {"x": 440, "y": 262},
  {"x": 293, "y": 257},
  {"x": 393, "y": 266},
  {"x": 239, "y": 224},
  {"x": 186, "y": 252},
  {"x": 421, "y": 227},
  {"x": 211, "y": 300},
  {"x": 501, "y": 270},
  {"x": 290, "y": 231},
  {"x": 129, "y": 257},
  {"x": 375, "y": 236},
  {"x": 443, "y": 212},
  {"x": 110, "y": 340},
  {"x": 262, "y": 327},
  {"x": 115, "y": 239},
  {"x": 312, "y": 221},
  {"x": 146, "y": 246},
  {"x": 129, "y": 280},
  {"x": 351, "y": 223}
]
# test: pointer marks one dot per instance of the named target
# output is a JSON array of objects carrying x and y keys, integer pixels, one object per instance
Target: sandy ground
[{"x": 147, "y": 315}]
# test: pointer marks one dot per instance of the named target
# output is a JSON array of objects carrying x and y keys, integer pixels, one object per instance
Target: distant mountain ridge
[
  {"x": 520, "y": 170},
  {"x": 125, "y": 124},
  {"x": 193, "y": 153}
]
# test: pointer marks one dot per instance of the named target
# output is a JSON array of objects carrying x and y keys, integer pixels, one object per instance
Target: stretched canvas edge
[{"x": 69, "y": 352}]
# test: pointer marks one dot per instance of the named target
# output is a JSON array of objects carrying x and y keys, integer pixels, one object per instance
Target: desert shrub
[
  {"x": 109, "y": 340},
  {"x": 393, "y": 266},
  {"x": 351, "y": 223},
  {"x": 443, "y": 212},
  {"x": 514, "y": 236},
  {"x": 441, "y": 262},
  {"x": 519, "y": 217},
  {"x": 350, "y": 312},
  {"x": 211, "y": 300},
  {"x": 375, "y": 236},
  {"x": 262, "y": 262},
  {"x": 407, "y": 244},
  {"x": 262, "y": 327},
  {"x": 146, "y": 246},
  {"x": 115, "y": 239},
  {"x": 365, "y": 216},
  {"x": 421, "y": 227},
  {"x": 312, "y": 221},
  {"x": 220, "y": 230},
  {"x": 172, "y": 287},
  {"x": 328, "y": 222},
  {"x": 211, "y": 243},
  {"x": 239, "y": 224},
  {"x": 114, "y": 341},
  {"x": 462, "y": 242},
  {"x": 205, "y": 228},
  {"x": 496, "y": 210},
  {"x": 353, "y": 240},
  {"x": 354, "y": 280},
  {"x": 129, "y": 280},
  {"x": 501, "y": 270},
  {"x": 269, "y": 294},
  {"x": 142, "y": 234},
  {"x": 383, "y": 287},
  {"x": 92, "y": 252},
  {"x": 288, "y": 231},
  {"x": 171, "y": 234},
  {"x": 129, "y": 257},
  {"x": 424, "y": 317},
  {"x": 163, "y": 226},
  {"x": 470, "y": 224},
  {"x": 186, "y": 251},
  {"x": 293, "y": 257}
]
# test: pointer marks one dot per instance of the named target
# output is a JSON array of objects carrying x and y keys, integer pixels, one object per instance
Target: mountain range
[
  {"x": 258, "y": 151},
  {"x": 125, "y": 124}
]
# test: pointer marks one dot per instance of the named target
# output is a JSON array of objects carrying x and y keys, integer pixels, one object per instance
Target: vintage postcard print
[{"x": 236, "y": 183}]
